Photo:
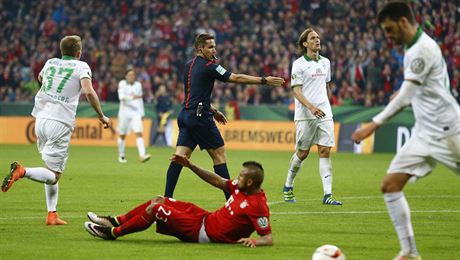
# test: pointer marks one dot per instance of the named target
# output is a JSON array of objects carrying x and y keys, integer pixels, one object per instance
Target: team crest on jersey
[
  {"x": 417, "y": 65},
  {"x": 293, "y": 76},
  {"x": 243, "y": 204},
  {"x": 262, "y": 222},
  {"x": 324, "y": 65},
  {"x": 221, "y": 70}
]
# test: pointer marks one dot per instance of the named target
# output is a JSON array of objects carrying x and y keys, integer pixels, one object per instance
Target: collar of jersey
[
  {"x": 67, "y": 57},
  {"x": 308, "y": 58},
  {"x": 416, "y": 37},
  {"x": 205, "y": 59}
]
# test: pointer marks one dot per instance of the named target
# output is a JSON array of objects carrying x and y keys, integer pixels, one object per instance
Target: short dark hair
[
  {"x": 394, "y": 11},
  {"x": 303, "y": 37},
  {"x": 201, "y": 39},
  {"x": 257, "y": 172},
  {"x": 70, "y": 45},
  {"x": 129, "y": 69}
]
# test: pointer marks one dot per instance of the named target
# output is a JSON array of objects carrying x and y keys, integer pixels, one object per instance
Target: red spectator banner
[
  {"x": 260, "y": 135},
  {"x": 87, "y": 131}
]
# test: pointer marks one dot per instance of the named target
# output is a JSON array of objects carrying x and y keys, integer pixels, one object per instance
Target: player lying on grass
[{"x": 245, "y": 211}]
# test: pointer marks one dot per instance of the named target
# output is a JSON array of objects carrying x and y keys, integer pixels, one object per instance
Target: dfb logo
[{"x": 402, "y": 136}]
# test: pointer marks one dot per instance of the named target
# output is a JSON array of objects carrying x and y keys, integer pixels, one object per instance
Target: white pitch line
[
  {"x": 357, "y": 212},
  {"x": 39, "y": 217},
  {"x": 375, "y": 197}
]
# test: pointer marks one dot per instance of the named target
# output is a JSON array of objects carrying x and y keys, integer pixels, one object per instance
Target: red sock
[
  {"x": 135, "y": 224},
  {"x": 132, "y": 213}
]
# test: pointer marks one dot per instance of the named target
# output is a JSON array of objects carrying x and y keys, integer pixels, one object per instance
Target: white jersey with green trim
[
  {"x": 60, "y": 91},
  {"x": 130, "y": 106},
  {"x": 436, "y": 111},
  {"x": 311, "y": 76}
]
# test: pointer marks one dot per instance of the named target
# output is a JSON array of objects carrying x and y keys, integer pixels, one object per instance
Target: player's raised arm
[
  {"x": 210, "y": 177},
  {"x": 248, "y": 79}
]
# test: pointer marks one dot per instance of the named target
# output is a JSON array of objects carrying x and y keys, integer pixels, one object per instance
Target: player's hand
[
  {"x": 362, "y": 133},
  {"x": 181, "y": 159},
  {"x": 318, "y": 113},
  {"x": 105, "y": 121},
  {"x": 274, "y": 81},
  {"x": 220, "y": 117},
  {"x": 249, "y": 242}
]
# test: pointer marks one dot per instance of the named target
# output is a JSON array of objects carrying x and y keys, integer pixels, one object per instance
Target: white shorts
[
  {"x": 126, "y": 123},
  {"x": 53, "y": 139},
  {"x": 419, "y": 155},
  {"x": 315, "y": 131}
]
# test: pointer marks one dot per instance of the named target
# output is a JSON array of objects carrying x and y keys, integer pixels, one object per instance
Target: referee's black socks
[
  {"x": 222, "y": 171},
  {"x": 172, "y": 176}
]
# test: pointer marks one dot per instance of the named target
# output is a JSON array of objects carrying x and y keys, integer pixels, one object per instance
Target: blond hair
[{"x": 70, "y": 45}]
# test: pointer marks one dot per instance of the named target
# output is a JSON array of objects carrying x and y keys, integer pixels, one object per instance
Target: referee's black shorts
[{"x": 198, "y": 130}]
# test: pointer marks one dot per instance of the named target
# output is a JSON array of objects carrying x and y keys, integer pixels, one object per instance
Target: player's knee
[
  {"x": 388, "y": 186},
  {"x": 220, "y": 159},
  {"x": 302, "y": 154},
  {"x": 324, "y": 152},
  {"x": 57, "y": 176}
]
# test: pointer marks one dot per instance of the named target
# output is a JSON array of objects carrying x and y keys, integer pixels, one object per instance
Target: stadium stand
[{"x": 253, "y": 37}]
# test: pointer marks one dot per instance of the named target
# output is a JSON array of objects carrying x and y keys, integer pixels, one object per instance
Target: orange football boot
[
  {"x": 53, "y": 219},
  {"x": 16, "y": 173}
]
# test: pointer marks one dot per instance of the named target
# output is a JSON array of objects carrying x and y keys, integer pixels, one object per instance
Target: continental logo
[
  {"x": 260, "y": 136},
  {"x": 30, "y": 132},
  {"x": 81, "y": 132},
  {"x": 87, "y": 131},
  {"x": 92, "y": 132}
]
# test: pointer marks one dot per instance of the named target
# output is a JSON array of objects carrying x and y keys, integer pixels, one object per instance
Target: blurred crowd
[{"x": 256, "y": 37}]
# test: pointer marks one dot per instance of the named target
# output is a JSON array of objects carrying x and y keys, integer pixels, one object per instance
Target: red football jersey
[{"x": 241, "y": 215}]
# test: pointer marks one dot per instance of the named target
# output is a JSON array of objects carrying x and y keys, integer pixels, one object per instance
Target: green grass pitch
[{"x": 95, "y": 181}]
